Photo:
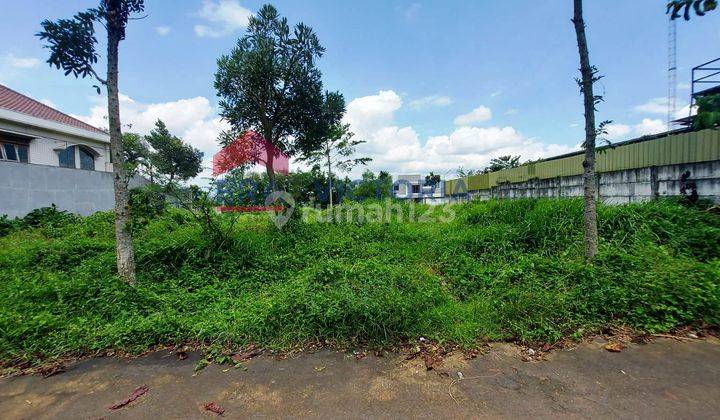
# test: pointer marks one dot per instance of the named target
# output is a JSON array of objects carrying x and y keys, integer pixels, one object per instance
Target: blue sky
[{"x": 431, "y": 85}]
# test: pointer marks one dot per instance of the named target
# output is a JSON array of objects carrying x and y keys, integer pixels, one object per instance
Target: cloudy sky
[{"x": 430, "y": 85}]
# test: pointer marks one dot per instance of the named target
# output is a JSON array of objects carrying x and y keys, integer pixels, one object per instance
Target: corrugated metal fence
[{"x": 677, "y": 148}]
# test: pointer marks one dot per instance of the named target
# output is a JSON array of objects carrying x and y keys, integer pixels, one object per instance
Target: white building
[
  {"x": 413, "y": 187},
  {"x": 48, "y": 157},
  {"x": 34, "y": 133}
]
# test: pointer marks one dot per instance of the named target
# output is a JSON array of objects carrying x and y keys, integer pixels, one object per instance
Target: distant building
[
  {"x": 48, "y": 157},
  {"x": 413, "y": 187}
]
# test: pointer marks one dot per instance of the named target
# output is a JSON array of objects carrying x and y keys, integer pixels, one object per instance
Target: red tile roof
[{"x": 14, "y": 101}]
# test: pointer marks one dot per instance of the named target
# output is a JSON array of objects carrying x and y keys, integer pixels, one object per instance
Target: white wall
[{"x": 45, "y": 143}]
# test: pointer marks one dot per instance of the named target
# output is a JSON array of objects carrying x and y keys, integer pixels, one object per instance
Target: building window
[
  {"x": 416, "y": 189},
  {"x": 66, "y": 157},
  {"x": 87, "y": 159},
  {"x": 14, "y": 152}
]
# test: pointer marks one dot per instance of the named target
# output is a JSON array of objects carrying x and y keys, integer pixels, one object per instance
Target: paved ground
[{"x": 663, "y": 379}]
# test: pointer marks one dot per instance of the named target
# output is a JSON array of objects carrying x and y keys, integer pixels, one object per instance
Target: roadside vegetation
[{"x": 500, "y": 270}]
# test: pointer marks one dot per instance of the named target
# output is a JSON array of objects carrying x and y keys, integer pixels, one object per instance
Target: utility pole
[{"x": 672, "y": 73}]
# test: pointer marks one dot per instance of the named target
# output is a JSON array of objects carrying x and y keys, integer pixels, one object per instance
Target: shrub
[{"x": 501, "y": 270}]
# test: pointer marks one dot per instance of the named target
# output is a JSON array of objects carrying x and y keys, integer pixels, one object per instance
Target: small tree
[
  {"x": 338, "y": 144},
  {"x": 72, "y": 45},
  {"x": 502, "y": 162},
  {"x": 432, "y": 179},
  {"x": 171, "y": 157},
  {"x": 589, "y": 77},
  {"x": 269, "y": 83}
]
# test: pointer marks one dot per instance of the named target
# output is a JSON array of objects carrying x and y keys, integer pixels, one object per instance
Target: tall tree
[
  {"x": 72, "y": 45},
  {"x": 171, "y": 157},
  {"x": 270, "y": 83},
  {"x": 338, "y": 144},
  {"x": 589, "y": 75},
  {"x": 700, "y": 7}
]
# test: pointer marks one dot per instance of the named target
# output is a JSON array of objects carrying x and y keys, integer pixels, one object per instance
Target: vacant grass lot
[{"x": 510, "y": 270}]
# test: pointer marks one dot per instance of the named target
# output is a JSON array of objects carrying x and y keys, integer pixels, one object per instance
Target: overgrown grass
[{"x": 501, "y": 270}]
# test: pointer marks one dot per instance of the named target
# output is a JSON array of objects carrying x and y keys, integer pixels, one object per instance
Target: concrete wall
[
  {"x": 632, "y": 185},
  {"x": 25, "y": 187}
]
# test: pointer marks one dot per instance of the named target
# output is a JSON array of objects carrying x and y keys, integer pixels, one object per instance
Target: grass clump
[{"x": 499, "y": 270}]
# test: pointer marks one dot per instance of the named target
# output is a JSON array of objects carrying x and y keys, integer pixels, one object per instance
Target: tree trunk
[
  {"x": 590, "y": 212},
  {"x": 269, "y": 168},
  {"x": 123, "y": 234}
]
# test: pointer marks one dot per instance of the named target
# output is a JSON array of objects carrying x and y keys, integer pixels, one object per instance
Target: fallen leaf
[
  {"x": 211, "y": 406},
  {"x": 139, "y": 391},
  {"x": 181, "y": 355},
  {"x": 614, "y": 347},
  {"x": 52, "y": 370},
  {"x": 251, "y": 352}
]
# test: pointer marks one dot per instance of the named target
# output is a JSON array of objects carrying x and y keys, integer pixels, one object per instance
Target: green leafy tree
[
  {"x": 336, "y": 150},
  {"x": 373, "y": 187},
  {"x": 708, "y": 115},
  {"x": 270, "y": 83},
  {"x": 73, "y": 48},
  {"x": 699, "y": 6},
  {"x": 136, "y": 155},
  {"x": 432, "y": 179},
  {"x": 502, "y": 162},
  {"x": 171, "y": 157},
  {"x": 338, "y": 144}
]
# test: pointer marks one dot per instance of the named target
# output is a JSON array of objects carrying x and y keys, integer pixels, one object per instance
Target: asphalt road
[{"x": 662, "y": 379}]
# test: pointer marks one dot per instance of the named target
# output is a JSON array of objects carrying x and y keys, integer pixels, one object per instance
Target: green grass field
[{"x": 501, "y": 270}]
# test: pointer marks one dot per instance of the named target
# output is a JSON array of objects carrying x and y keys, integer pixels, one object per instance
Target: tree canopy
[
  {"x": 171, "y": 157},
  {"x": 700, "y": 7},
  {"x": 270, "y": 83}
]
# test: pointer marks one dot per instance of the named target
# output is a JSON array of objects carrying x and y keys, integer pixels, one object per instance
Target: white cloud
[
  {"x": 511, "y": 111},
  {"x": 411, "y": 11},
  {"x": 659, "y": 106},
  {"x": 162, "y": 30},
  {"x": 496, "y": 93},
  {"x": 21, "y": 62},
  {"x": 650, "y": 126},
  {"x": 617, "y": 131},
  {"x": 369, "y": 113},
  {"x": 430, "y": 101},
  {"x": 192, "y": 119},
  {"x": 224, "y": 18},
  {"x": 653, "y": 106},
  {"x": 479, "y": 114},
  {"x": 400, "y": 150}
]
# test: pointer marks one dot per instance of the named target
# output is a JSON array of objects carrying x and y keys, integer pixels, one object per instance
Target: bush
[
  {"x": 48, "y": 217},
  {"x": 146, "y": 203},
  {"x": 500, "y": 270}
]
